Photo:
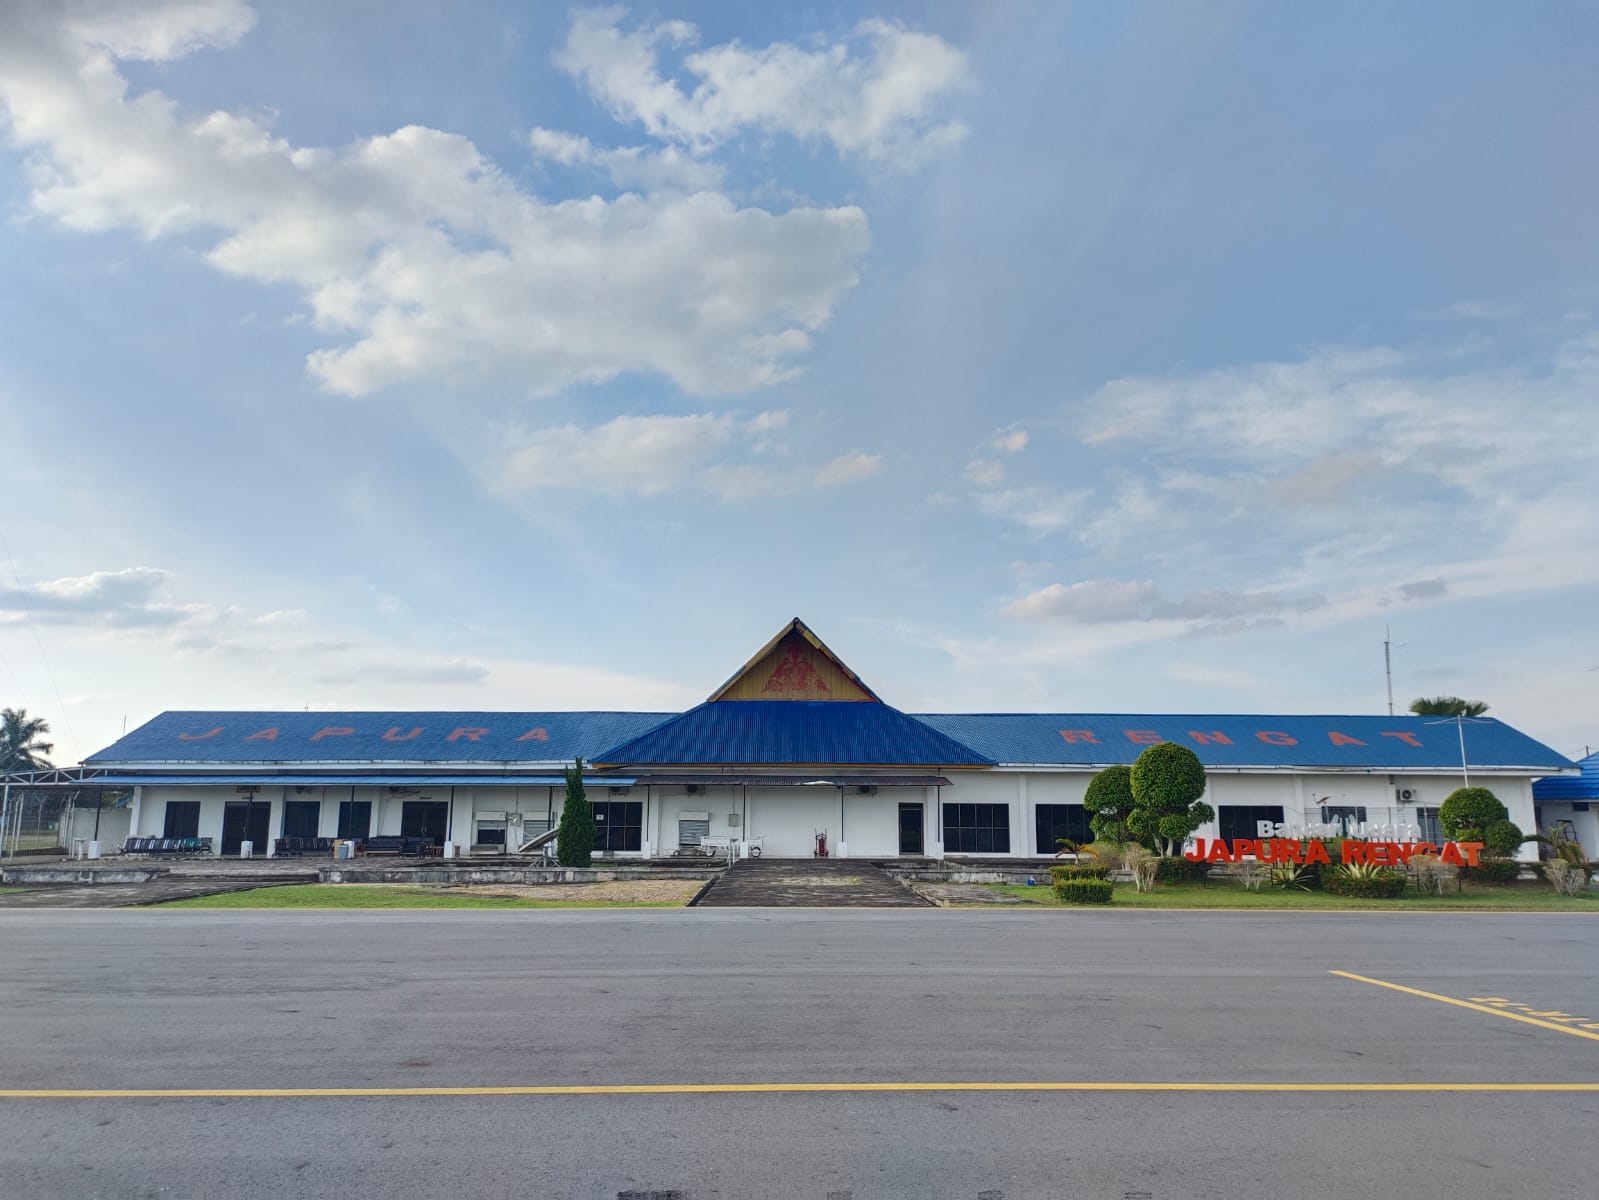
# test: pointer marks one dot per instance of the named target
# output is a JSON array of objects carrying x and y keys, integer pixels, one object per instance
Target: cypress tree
[{"x": 574, "y": 839}]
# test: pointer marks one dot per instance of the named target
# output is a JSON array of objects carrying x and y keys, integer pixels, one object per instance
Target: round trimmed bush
[
  {"x": 1083, "y": 891},
  {"x": 1466, "y": 812},
  {"x": 1503, "y": 838}
]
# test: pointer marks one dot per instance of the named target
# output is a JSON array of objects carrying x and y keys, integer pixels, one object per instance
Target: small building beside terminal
[{"x": 793, "y": 747}]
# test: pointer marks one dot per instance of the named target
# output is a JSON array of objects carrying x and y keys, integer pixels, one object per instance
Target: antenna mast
[{"x": 1388, "y": 666}]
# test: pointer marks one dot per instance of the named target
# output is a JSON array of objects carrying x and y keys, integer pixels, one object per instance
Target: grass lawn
[
  {"x": 386, "y": 895},
  {"x": 1534, "y": 897}
]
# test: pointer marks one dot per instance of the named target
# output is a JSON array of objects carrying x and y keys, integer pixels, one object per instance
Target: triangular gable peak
[{"x": 794, "y": 665}]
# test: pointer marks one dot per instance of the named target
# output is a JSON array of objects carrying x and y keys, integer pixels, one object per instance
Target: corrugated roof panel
[
  {"x": 247, "y": 779},
  {"x": 1571, "y": 787},
  {"x": 410, "y": 737},
  {"x": 1391, "y": 743},
  {"x": 794, "y": 731}
]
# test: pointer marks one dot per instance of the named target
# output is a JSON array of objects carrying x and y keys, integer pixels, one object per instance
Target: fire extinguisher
[{"x": 821, "y": 844}]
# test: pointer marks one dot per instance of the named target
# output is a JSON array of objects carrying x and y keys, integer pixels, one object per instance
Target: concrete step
[{"x": 808, "y": 883}]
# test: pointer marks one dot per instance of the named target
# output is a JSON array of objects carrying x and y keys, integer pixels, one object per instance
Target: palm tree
[
  {"x": 20, "y": 747},
  {"x": 1447, "y": 706}
]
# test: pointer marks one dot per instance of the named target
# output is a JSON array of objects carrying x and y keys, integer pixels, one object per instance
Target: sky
[{"x": 1048, "y": 356}]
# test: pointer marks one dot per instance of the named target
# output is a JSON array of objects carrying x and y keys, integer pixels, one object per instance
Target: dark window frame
[
  {"x": 618, "y": 826},
  {"x": 976, "y": 828},
  {"x": 181, "y": 819},
  {"x": 294, "y": 823},
  {"x": 1068, "y": 824},
  {"x": 1233, "y": 823}
]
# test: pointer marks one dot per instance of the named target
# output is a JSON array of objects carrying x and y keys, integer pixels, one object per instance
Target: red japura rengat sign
[{"x": 1269, "y": 850}]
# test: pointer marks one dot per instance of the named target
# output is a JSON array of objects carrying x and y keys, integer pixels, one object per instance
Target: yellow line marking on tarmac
[
  {"x": 680, "y": 1089},
  {"x": 1482, "y": 1008}
]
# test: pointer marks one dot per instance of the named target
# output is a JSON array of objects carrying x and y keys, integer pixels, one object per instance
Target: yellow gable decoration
[{"x": 794, "y": 665}]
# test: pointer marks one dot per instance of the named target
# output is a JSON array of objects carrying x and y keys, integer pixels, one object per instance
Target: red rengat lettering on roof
[
  {"x": 1276, "y": 737},
  {"x": 1214, "y": 735},
  {"x": 1343, "y": 739},
  {"x": 199, "y": 737},
  {"x": 1404, "y": 735},
  {"x": 1079, "y": 735},
  {"x": 1144, "y": 737}
]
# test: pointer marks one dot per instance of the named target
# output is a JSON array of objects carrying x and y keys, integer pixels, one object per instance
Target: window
[
  {"x": 1239, "y": 820},
  {"x": 301, "y": 818},
  {"x": 1347, "y": 817},
  {"x": 618, "y": 825},
  {"x": 977, "y": 828},
  {"x": 182, "y": 819},
  {"x": 355, "y": 818},
  {"x": 1052, "y": 822},
  {"x": 1427, "y": 819}
]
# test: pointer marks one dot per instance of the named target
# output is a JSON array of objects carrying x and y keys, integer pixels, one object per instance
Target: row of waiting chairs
[{"x": 167, "y": 847}]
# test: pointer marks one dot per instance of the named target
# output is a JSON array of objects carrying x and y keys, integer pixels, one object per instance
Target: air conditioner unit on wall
[
  {"x": 1405, "y": 795},
  {"x": 694, "y": 789},
  {"x": 620, "y": 791},
  {"x": 867, "y": 789}
]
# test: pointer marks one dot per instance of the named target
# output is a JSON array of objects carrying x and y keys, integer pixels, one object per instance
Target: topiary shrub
[
  {"x": 1065, "y": 871},
  {"x": 1167, "y": 782},
  {"x": 1364, "y": 880},
  {"x": 1109, "y": 799},
  {"x": 1503, "y": 838},
  {"x": 1083, "y": 891},
  {"x": 1467, "y": 812},
  {"x": 1492, "y": 872}
]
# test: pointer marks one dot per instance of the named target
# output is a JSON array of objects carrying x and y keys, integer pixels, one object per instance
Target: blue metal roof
[
  {"x": 857, "y": 732},
  {"x": 1384, "y": 743},
  {"x": 246, "y": 779},
  {"x": 1571, "y": 787},
  {"x": 438, "y": 737}
]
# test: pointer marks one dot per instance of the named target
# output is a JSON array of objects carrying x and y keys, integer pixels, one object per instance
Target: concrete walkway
[{"x": 808, "y": 883}]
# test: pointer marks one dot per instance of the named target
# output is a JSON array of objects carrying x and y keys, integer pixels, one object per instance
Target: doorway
[
  {"x": 243, "y": 821},
  {"x": 425, "y": 819},
  {"x": 910, "y": 829}
]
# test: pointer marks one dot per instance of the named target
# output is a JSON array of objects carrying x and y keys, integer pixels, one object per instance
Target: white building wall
[{"x": 871, "y": 823}]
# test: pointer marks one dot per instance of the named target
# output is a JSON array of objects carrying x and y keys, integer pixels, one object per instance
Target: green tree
[
  {"x": 1474, "y": 814},
  {"x": 1109, "y": 801},
  {"x": 1167, "y": 782},
  {"x": 1447, "y": 706},
  {"x": 20, "y": 747},
  {"x": 574, "y": 837}
]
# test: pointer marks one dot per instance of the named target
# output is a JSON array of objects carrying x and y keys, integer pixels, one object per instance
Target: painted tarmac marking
[
  {"x": 680, "y": 1089},
  {"x": 1486, "y": 1006}
]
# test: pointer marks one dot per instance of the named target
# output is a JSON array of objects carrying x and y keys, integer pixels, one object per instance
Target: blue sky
[{"x": 1041, "y": 357}]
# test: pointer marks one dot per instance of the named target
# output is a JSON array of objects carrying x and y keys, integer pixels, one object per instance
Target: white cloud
[
  {"x": 848, "y": 468},
  {"x": 1039, "y": 509},
  {"x": 1105, "y": 601},
  {"x": 984, "y": 472},
  {"x": 106, "y": 599},
  {"x": 639, "y": 167},
  {"x": 410, "y": 248},
  {"x": 875, "y": 94},
  {"x": 1010, "y": 439},
  {"x": 725, "y": 455},
  {"x": 1349, "y": 469}
]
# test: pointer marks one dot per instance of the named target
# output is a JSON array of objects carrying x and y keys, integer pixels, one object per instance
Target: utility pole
[{"x": 1388, "y": 665}]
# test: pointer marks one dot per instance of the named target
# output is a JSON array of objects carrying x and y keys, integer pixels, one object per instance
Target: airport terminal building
[{"x": 793, "y": 746}]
